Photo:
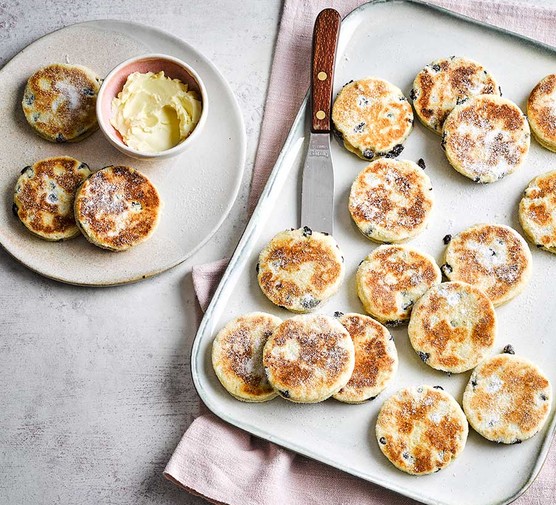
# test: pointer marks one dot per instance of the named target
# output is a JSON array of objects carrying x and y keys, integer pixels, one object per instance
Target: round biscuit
[
  {"x": 237, "y": 356},
  {"x": 117, "y": 208},
  {"x": 376, "y": 359},
  {"x": 421, "y": 429},
  {"x": 492, "y": 257},
  {"x": 452, "y": 327},
  {"x": 308, "y": 358},
  {"x": 537, "y": 211},
  {"x": 507, "y": 399},
  {"x": 59, "y": 102},
  {"x": 445, "y": 83},
  {"x": 392, "y": 278},
  {"x": 44, "y": 195},
  {"x": 391, "y": 200},
  {"x": 372, "y": 117},
  {"x": 300, "y": 269},
  {"x": 541, "y": 112},
  {"x": 486, "y": 138}
]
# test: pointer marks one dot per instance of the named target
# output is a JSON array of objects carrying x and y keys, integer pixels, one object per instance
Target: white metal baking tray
[{"x": 394, "y": 40}]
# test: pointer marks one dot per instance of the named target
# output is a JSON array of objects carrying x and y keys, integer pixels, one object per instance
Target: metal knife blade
[{"x": 317, "y": 194}]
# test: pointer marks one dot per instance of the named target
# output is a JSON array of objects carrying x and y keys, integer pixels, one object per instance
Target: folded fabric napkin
[{"x": 212, "y": 453}]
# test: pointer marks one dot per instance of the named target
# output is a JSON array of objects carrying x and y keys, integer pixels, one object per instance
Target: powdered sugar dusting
[
  {"x": 70, "y": 92},
  {"x": 310, "y": 357},
  {"x": 391, "y": 200},
  {"x": 373, "y": 116},
  {"x": 117, "y": 207},
  {"x": 451, "y": 296},
  {"x": 486, "y": 138},
  {"x": 494, "y": 258},
  {"x": 494, "y": 384}
]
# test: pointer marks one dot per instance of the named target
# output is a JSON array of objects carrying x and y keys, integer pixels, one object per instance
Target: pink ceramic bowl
[{"x": 114, "y": 82}]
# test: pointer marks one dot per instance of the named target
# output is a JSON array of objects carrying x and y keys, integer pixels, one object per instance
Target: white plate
[
  {"x": 198, "y": 188},
  {"x": 395, "y": 40}
]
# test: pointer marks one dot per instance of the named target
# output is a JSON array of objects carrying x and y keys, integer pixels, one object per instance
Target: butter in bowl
[{"x": 152, "y": 106}]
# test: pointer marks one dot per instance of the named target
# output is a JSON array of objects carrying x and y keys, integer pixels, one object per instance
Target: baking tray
[{"x": 394, "y": 40}]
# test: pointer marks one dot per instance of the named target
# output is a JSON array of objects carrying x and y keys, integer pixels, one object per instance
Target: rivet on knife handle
[{"x": 325, "y": 38}]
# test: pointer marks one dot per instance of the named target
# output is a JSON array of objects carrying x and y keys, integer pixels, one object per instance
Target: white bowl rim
[{"x": 134, "y": 153}]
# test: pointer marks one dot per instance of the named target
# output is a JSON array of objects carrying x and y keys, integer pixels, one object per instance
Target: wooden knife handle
[{"x": 325, "y": 39}]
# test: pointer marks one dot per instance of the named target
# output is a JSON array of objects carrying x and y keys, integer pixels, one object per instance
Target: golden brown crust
[
  {"x": 391, "y": 200},
  {"x": 537, "y": 211},
  {"x": 421, "y": 429},
  {"x": 373, "y": 118},
  {"x": 491, "y": 257},
  {"x": 117, "y": 208},
  {"x": 486, "y": 138},
  {"x": 452, "y": 327},
  {"x": 507, "y": 399},
  {"x": 59, "y": 102},
  {"x": 237, "y": 356},
  {"x": 443, "y": 84},
  {"x": 44, "y": 195},
  {"x": 308, "y": 358},
  {"x": 376, "y": 358},
  {"x": 541, "y": 111},
  {"x": 392, "y": 278},
  {"x": 300, "y": 269}
]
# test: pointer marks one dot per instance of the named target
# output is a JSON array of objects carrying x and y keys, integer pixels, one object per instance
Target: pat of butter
[{"x": 154, "y": 113}]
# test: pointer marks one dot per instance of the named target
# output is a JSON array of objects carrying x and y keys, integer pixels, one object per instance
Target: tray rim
[
  {"x": 250, "y": 228},
  {"x": 105, "y": 23}
]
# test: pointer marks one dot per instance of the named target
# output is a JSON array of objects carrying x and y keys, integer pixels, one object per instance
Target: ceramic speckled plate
[
  {"x": 198, "y": 187},
  {"x": 394, "y": 40}
]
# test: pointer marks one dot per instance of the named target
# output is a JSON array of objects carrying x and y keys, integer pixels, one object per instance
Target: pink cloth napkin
[{"x": 212, "y": 453}]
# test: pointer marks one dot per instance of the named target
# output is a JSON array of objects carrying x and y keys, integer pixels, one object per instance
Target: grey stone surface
[{"x": 95, "y": 385}]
